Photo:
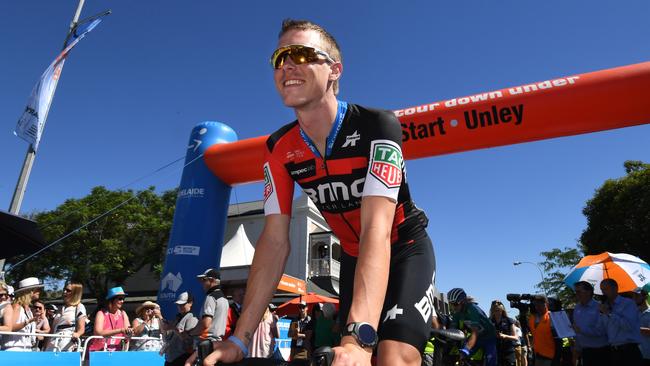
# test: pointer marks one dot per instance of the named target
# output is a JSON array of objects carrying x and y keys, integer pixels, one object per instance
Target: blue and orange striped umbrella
[{"x": 629, "y": 271}]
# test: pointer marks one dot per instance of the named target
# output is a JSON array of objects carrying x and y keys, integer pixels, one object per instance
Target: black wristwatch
[{"x": 364, "y": 333}]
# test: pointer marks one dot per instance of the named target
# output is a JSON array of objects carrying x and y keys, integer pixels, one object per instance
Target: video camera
[
  {"x": 523, "y": 303},
  {"x": 517, "y": 302}
]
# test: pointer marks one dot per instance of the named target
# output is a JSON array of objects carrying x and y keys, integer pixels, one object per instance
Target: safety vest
[
  {"x": 543, "y": 342},
  {"x": 430, "y": 348}
]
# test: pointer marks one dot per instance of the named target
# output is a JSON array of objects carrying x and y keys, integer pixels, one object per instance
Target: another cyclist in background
[{"x": 471, "y": 316}]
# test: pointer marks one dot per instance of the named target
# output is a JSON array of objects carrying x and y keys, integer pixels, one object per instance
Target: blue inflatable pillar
[{"x": 197, "y": 232}]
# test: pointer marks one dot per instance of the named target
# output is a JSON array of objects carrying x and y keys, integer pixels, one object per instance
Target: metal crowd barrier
[
  {"x": 46, "y": 335},
  {"x": 78, "y": 357}
]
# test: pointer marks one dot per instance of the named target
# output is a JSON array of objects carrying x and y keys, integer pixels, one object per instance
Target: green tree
[
  {"x": 109, "y": 250},
  {"x": 557, "y": 263},
  {"x": 618, "y": 216},
  {"x": 618, "y": 220}
]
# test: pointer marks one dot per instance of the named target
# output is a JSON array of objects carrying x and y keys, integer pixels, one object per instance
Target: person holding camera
[
  {"x": 622, "y": 324},
  {"x": 541, "y": 329},
  {"x": 589, "y": 325},
  {"x": 147, "y": 325}
]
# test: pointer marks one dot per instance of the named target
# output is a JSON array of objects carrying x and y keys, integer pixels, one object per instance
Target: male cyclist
[
  {"x": 348, "y": 159},
  {"x": 470, "y": 315}
]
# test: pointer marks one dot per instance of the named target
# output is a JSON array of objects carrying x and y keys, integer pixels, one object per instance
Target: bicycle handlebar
[{"x": 448, "y": 334}]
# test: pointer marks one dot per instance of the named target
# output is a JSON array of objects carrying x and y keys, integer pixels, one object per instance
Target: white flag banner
[{"x": 31, "y": 124}]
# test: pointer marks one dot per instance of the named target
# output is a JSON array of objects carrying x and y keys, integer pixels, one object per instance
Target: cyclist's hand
[
  {"x": 226, "y": 352},
  {"x": 350, "y": 354}
]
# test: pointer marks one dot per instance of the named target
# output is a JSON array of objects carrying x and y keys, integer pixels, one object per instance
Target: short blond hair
[
  {"x": 330, "y": 44},
  {"x": 76, "y": 293}
]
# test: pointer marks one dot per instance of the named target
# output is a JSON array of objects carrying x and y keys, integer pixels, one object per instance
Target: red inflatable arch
[{"x": 572, "y": 105}]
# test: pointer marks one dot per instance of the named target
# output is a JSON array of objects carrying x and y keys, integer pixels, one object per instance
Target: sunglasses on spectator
[
  {"x": 67, "y": 290},
  {"x": 119, "y": 298},
  {"x": 299, "y": 54},
  {"x": 4, "y": 294}
]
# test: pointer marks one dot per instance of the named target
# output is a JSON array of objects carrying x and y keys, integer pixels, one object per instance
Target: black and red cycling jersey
[{"x": 364, "y": 158}]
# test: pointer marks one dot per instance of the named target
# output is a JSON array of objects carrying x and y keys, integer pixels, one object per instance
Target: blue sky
[{"x": 133, "y": 89}]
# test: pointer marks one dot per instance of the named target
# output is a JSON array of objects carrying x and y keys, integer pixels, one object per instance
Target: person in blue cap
[{"x": 112, "y": 321}]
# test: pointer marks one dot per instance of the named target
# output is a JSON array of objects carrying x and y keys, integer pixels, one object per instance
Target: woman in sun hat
[
  {"x": 23, "y": 319},
  {"x": 147, "y": 324},
  {"x": 112, "y": 321}
]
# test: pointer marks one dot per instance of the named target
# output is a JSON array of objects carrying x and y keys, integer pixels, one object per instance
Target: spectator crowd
[
  {"x": 37, "y": 326},
  {"x": 608, "y": 329}
]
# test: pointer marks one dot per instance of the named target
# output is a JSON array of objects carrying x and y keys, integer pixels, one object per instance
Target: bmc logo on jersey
[
  {"x": 387, "y": 162},
  {"x": 268, "y": 182}
]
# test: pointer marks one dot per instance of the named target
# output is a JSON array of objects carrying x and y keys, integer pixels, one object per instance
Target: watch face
[{"x": 367, "y": 334}]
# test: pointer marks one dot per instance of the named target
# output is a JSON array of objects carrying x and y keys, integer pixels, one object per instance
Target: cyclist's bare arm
[
  {"x": 371, "y": 275},
  {"x": 271, "y": 253},
  {"x": 471, "y": 342}
]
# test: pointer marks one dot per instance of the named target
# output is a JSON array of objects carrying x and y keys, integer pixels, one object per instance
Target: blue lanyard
[{"x": 329, "y": 142}]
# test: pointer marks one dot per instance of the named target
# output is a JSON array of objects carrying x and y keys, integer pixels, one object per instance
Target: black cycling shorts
[{"x": 407, "y": 310}]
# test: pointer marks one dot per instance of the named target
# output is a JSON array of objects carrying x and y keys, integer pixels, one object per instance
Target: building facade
[{"x": 315, "y": 251}]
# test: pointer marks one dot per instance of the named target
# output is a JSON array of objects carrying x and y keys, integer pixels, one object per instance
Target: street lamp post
[{"x": 541, "y": 273}]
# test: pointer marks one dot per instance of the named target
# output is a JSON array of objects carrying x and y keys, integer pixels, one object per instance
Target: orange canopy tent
[{"x": 291, "y": 307}]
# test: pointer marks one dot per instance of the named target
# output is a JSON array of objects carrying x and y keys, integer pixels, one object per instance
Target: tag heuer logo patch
[
  {"x": 268, "y": 183},
  {"x": 387, "y": 162}
]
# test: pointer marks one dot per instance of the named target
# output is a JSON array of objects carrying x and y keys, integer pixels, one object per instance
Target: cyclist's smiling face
[{"x": 309, "y": 83}]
